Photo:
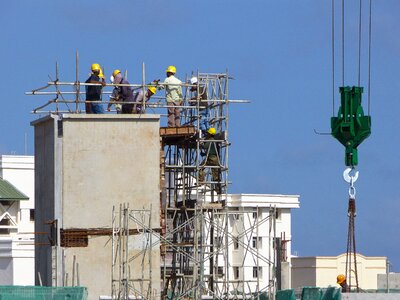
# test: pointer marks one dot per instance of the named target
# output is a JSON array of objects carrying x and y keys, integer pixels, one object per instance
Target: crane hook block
[{"x": 351, "y": 127}]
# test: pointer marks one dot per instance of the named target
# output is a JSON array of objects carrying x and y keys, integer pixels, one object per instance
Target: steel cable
[
  {"x": 333, "y": 58},
  {"x": 359, "y": 45},
  {"x": 369, "y": 56}
]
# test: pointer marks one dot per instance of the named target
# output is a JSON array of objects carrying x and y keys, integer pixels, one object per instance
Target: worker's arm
[
  {"x": 114, "y": 97},
  {"x": 102, "y": 82}
]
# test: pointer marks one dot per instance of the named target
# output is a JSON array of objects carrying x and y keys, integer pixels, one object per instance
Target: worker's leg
[
  {"x": 171, "y": 115},
  {"x": 213, "y": 161},
  {"x": 88, "y": 107},
  {"x": 127, "y": 108},
  {"x": 177, "y": 115},
  {"x": 97, "y": 108},
  {"x": 201, "y": 171}
]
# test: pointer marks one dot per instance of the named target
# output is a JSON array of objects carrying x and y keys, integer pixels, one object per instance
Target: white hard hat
[{"x": 193, "y": 80}]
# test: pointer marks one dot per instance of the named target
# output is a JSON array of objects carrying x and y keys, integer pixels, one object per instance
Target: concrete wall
[
  {"x": 303, "y": 272},
  {"x": 85, "y": 165},
  {"x": 45, "y": 180},
  {"x": 393, "y": 280}
]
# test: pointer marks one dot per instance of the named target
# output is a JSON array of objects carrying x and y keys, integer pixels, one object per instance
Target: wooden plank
[{"x": 177, "y": 131}]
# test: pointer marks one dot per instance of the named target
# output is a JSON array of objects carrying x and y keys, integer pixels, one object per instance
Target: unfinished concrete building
[{"x": 86, "y": 165}]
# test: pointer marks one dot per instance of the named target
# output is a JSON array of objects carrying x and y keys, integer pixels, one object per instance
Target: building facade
[
  {"x": 260, "y": 226},
  {"x": 322, "y": 271},
  {"x": 17, "y": 216}
]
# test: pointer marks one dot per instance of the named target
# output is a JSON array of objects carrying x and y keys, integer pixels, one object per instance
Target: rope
[{"x": 355, "y": 254}]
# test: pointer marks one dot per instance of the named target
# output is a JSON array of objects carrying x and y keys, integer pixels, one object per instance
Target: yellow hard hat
[
  {"x": 116, "y": 71},
  {"x": 212, "y": 131},
  {"x": 152, "y": 89},
  {"x": 340, "y": 278},
  {"x": 96, "y": 67},
  {"x": 171, "y": 69}
]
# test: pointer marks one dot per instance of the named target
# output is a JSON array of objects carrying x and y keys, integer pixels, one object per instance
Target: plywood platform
[{"x": 175, "y": 135}]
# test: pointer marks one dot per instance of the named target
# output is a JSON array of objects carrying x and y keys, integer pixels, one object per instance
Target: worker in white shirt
[{"x": 174, "y": 97}]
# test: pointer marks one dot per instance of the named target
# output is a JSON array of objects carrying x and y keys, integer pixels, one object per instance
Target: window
[
  {"x": 218, "y": 241},
  {"x": 278, "y": 214},
  {"x": 258, "y": 213},
  {"x": 220, "y": 271},
  {"x": 235, "y": 243},
  {"x": 257, "y": 242},
  {"x": 257, "y": 272},
  {"x": 236, "y": 273},
  {"x": 5, "y": 222},
  {"x": 32, "y": 214}
]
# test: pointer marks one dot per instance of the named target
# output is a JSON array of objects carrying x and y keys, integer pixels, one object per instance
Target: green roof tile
[{"x": 10, "y": 193}]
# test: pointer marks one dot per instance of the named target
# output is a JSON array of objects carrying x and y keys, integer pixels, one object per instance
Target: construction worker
[
  {"x": 341, "y": 280},
  {"x": 115, "y": 95},
  {"x": 200, "y": 92},
  {"x": 123, "y": 93},
  {"x": 138, "y": 98},
  {"x": 210, "y": 149},
  {"x": 174, "y": 97},
  {"x": 93, "y": 92}
]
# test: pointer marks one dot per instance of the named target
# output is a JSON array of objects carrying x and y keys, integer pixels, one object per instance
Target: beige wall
[
  {"x": 322, "y": 271},
  {"x": 107, "y": 162},
  {"x": 99, "y": 161}
]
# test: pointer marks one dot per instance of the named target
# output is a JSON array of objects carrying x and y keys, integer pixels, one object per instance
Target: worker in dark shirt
[
  {"x": 93, "y": 92},
  {"x": 341, "y": 280},
  {"x": 210, "y": 149},
  {"x": 125, "y": 93}
]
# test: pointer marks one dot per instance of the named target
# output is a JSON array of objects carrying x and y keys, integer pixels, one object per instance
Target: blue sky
[{"x": 280, "y": 55}]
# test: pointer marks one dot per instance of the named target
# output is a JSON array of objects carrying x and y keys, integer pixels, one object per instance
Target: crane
[{"x": 351, "y": 127}]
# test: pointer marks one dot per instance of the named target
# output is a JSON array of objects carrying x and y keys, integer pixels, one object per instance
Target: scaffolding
[{"x": 198, "y": 228}]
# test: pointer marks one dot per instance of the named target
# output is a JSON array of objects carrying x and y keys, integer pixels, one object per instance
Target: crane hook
[{"x": 350, "y": 175}]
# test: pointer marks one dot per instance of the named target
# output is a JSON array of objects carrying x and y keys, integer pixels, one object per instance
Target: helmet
[
  {"x": 116, "y": 71},
  {"x": 212, "y": 131},
  {"x": 152, "y": 89},
  {"x": 340, "y": 279},
  {"x": 171, "y": 69},
  {"x": 96, "y": 67},
  {"x": 193, "y": 80}
]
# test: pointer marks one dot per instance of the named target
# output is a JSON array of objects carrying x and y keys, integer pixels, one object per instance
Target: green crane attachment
[{"x": 351, "y": 127}]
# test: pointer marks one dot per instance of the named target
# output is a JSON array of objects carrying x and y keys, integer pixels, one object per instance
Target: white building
[
  {"x": 322, "y": 271},
  {"x": 257, "y": 221},
  {"x": 17, "y": 220}
]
